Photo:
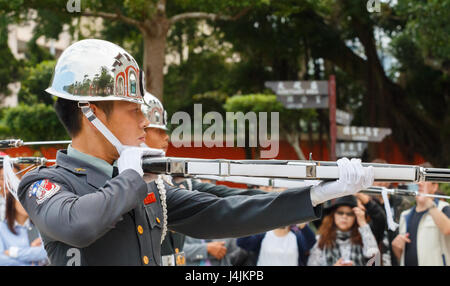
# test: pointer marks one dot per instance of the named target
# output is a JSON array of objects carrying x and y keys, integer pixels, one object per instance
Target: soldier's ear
[
  {"x": 88, "y": 124},
  {"x": 94, "y": 108},
  {"x": 99, "y": 112}
]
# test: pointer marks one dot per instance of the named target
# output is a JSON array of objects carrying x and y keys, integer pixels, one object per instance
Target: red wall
[{"x": 387, "y": 150}]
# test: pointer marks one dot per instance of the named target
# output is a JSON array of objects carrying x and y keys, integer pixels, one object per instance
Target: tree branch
[
  {"x": 210, "y": 16},
  {"x": 112, "y": 16}
]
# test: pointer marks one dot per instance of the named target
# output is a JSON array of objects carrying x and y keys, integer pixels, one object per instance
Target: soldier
[
  {"x": 156, "y": 137},
  {"x": 91, "y": 212}
]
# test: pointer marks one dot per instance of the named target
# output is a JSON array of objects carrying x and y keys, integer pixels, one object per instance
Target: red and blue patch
[
  {"x": 43, "y": 190},
  {"x": 150, "y": 199}
]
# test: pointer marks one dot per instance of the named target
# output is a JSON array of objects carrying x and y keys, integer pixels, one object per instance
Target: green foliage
[
  {"x": 201, "y": 73},
  {"x": 126, "y": 36},
  {"x": 428, "y": 25},
  {"x": 36, "y": 80},
  {"x": 10, "y": 67},
  {"x": 32, "y": 123},
  {"x": 253, "y": 103},
  {"x": 224, "y": 7},
  {"x": 424, "y": 84},
  {"x": 36, "y": 54},
  {"x": 272, "y": 48},
  {"x": 445, "y": 188},
  {"x": 289, "y": 118}
]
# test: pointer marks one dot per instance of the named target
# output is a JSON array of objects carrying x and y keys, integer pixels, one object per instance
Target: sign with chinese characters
[
  {"x": 350, "y": 149},
  {"x": 303, "y": 101},
  {"x": 359, "y": 133},
  {"x": 343, "y": 117},
  {"x": 314, "y": 87}
]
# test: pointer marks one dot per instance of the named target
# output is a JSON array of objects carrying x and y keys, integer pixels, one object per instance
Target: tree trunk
[
  {"x": 155, "y": 38},
  {"x": 293, "y": 140}
]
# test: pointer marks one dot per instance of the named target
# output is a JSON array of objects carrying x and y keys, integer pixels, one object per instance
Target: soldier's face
[
  {"x": 127, "y": 123},
  {"x": 156, "y": 138}
]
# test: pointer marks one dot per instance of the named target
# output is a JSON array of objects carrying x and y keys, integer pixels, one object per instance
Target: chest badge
[{"x": 150, "y": 199}]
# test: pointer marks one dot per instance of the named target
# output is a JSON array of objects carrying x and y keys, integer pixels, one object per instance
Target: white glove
[
  {"x": 130, "y": 158},
  {"x": 353, "y": 177}
]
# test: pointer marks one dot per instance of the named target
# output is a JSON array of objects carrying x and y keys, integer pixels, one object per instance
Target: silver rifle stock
[
  {"x": 304, "y": 170},
  {"x": 14, "y": 143},
  {"x": 30, "y": 160},
  {"x": 279, "y": 173},
  {"x": 403, "y": 192},
  {"x": 258, "y": 181},
  {"x": 292, "y": 183}
]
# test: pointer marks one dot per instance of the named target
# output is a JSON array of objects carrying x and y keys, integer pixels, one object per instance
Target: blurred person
[
  {"x": 376, "y": 214},
  {"x": 285, "y": 246},
  {"x": 211, "y": 252},
  {"x": 441, "y": 193},
  {"x": 3, "y": 190},
  {"x": 424, "y": 238},
  {"x": 20, "y": 243},
  {"x": 345, "y": 237},
  {"x": 397, "y": 204}
]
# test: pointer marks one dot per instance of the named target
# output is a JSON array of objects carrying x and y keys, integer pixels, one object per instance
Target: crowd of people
[
  {"x": 20, "y": 242},
  {"x": 353, "y": 231}
]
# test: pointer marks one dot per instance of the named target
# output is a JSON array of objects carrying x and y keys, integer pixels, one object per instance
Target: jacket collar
[
  {"x": 95, "y": 177},
  {"x": 96, "y": 162}
]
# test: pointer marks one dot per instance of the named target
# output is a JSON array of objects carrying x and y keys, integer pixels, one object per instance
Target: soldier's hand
[
  {"x": 353, "y": 177},
  {"x": 131, "y": 156},
  {"x": 217, "y": 249}
]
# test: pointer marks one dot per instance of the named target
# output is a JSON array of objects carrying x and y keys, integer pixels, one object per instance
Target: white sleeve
[{"x": 370, "y": 247}]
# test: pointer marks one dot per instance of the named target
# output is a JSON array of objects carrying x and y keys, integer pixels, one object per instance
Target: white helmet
[
  {"x": 97, "y": 70},
  {"x": 154, "y": 112}
]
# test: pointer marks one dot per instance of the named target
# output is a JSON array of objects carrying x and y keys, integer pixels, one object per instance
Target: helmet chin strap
[{"x": 89, "y": 114}]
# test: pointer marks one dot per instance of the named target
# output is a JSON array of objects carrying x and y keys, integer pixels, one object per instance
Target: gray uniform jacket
[
  {"x": 174, "y": 240},
  {"x": 80, "y": 210},
  {"x": 219, "y": 190}
]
